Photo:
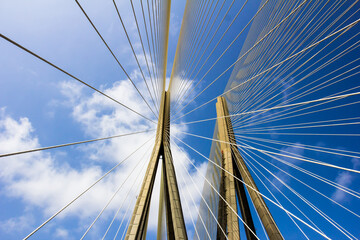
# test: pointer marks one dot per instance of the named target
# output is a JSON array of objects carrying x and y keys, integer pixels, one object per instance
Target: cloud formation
[
  {"x": 345, "y": 179},
  {"x": 45, "y": 182}
]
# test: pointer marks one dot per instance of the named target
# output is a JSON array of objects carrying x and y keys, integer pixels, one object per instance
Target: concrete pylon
[
  {"x": 234, "y": 164},
  {"x": 175, "y": 224}
]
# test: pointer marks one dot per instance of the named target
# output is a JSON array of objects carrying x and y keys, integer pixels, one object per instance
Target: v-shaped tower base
[
  {"x": 233, "y": 163},
  {"x": 175, "y": 225}
]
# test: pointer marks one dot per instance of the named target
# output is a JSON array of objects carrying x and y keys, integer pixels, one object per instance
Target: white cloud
[
  {"x": 89, "y": 113},
  {"x": 295, "y": 150},
  {"x": 189, "y": 186},
  {"x": 175, "y": 25},
  {"x": 345, "y": 179},
  {"x": 62, "y": 233},
  {"x": 17, "y": 224},
  {"x": 42, "y": 181},
  {"x": 356, "y": 163},
  {"x": 45, "y": 181},
  {"x": 183, "y": 86}
]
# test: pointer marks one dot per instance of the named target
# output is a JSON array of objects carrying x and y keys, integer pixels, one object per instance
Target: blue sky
[
  {"x": 49, "y": 108},
  {"x": 326, "y": 67},
  {"x": 40, "y": 106}
]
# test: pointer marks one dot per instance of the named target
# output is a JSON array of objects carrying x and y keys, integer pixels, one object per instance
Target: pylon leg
[
  {"x": 227, "y": 137},
  {"x": 221, "y": 209},
  {"x": 138, "y": 222},
  {"x": 232, "y": 222},
  {"x": 162, "y": 208},
  {"x": 245, "y": 208},
  {"x": 174, "y": 217}
]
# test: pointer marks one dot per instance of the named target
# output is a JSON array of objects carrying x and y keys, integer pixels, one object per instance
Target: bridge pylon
[
  {"x": 169, "y": 193},
  {"x": 233, "y": 163}
]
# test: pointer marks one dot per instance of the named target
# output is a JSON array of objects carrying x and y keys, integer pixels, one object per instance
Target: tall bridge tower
[
  {"x": 234, "y": 165},
  {"x": 169, "y": 193},
  {"x": 231, "y": 188}
]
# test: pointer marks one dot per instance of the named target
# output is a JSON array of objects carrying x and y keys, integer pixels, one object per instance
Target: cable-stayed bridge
[{"x": 242, "y": 122}]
